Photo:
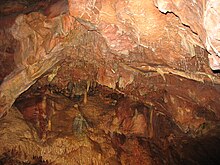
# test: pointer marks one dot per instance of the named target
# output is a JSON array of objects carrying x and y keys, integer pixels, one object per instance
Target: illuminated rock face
[
  {"x": 203, "y": 17},
  {"x": 157, "y": 63},
  {"x": 129, "y": 46}
]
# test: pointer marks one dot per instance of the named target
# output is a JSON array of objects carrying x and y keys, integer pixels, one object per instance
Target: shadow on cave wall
[{"x": 106, "y": 114}]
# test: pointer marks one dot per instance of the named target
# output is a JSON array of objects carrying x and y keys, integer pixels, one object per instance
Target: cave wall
[
  {"x": 129, "y": 46},
  {"x": 157, "y": 54}
]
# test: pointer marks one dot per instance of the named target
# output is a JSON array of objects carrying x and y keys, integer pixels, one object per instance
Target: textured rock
[
  {"x": 203, "y": 17},
  {"x": 20, "y": 140},
  {"x": 56, "y": 8},
  {"x": 39, "y": 51},
  {"x": 129, "y": 46}
]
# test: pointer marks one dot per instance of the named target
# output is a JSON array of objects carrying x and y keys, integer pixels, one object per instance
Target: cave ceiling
[
  {"x": 159, "y": 52},
  {"x": 146, "y": 69}
]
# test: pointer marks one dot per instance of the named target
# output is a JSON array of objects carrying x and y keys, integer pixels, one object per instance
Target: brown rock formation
[
  {"x": 160, "y": 63},
  {"x": 203, "y": 19}
]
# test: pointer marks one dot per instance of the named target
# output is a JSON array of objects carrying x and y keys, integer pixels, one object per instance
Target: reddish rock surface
[
  {"x": 162, "y": 67},
  {"x": 203, "y": 19},
  {"x": 127, "y": 36}
]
